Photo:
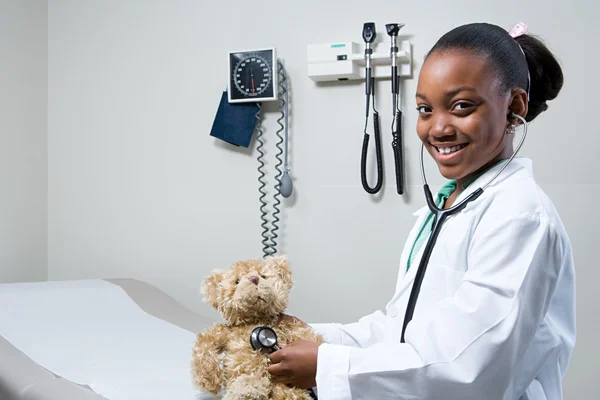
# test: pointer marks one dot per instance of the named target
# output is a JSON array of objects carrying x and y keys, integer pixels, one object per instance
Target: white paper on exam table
[{"x": 92, "y": 333}]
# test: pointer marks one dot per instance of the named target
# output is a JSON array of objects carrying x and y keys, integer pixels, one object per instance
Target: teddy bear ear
[
  {"x": 210, "y": 288},
  {"x": 282, "y": 266}
]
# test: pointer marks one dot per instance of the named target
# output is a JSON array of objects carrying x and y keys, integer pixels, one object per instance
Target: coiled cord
[
  {"x": 270, "y": 236},
  {"x": 397, "y": 141},
  {"x": 263, "y": 184},
  {"x": 282, "y": 92},
  {"x": 365, "y": 146}
]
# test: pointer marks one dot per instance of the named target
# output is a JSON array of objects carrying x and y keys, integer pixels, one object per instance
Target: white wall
[
  {"x": 137, "y": 188},
  {"x": 23, "y": 157}
]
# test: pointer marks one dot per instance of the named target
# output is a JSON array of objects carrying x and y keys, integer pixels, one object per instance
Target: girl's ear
[{"x": 518, "y": 105}]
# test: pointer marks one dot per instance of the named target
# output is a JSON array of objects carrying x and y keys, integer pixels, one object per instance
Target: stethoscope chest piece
[{"x": 264, "y": 339}]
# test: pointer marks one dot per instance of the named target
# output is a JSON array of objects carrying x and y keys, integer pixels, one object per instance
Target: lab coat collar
[{"x": 518, "y": 164}]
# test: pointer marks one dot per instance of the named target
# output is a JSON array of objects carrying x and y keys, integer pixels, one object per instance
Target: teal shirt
[
  {"x": 425, "y": 231},
  {"x": 440, "y": 200}
]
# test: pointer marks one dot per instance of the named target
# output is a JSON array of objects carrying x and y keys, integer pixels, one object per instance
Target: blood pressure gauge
[{"x": 252, "y": 76}]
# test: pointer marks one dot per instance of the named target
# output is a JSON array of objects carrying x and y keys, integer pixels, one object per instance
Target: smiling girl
[{"x": 496, "y": 312}]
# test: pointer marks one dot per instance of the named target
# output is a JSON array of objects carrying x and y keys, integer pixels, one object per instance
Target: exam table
[{"x": 95, "y": 339}]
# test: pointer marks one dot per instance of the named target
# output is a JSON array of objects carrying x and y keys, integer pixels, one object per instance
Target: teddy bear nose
[{"x": 253, "y": 279}]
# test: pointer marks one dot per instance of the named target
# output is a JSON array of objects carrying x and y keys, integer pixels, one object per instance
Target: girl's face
[{"x": 462, "y": 113}]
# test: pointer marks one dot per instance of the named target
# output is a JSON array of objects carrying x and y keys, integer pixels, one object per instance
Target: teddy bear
[{"x": 248, "y": 294}]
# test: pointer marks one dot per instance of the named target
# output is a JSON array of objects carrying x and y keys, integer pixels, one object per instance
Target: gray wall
[
  {"x": 23, "y": 126},
  {"x": 137, "y": 188}
]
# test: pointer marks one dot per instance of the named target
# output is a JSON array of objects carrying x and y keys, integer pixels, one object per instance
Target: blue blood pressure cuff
[{"x": 234, "y": 123}]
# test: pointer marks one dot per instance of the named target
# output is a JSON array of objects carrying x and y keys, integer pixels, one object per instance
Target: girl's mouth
[{"x": 446, "y": 150}]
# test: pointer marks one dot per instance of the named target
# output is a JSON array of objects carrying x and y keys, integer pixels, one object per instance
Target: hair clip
[{"x": 518, "y": 30}]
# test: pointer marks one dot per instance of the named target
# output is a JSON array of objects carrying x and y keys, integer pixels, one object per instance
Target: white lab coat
[{"x": 495, "y": 318}]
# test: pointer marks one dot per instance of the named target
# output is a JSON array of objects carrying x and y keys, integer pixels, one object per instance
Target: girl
[{"x": 495, "y": 318}]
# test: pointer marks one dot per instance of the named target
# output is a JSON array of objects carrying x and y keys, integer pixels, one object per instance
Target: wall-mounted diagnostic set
[{"x": 344, "y": 61}]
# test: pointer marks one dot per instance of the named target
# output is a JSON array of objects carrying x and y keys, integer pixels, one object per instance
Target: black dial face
[{"x": 251, "y": 75}]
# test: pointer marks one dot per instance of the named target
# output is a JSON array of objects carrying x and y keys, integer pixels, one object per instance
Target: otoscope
[
  {"x": 369, "y": 36},
  {"x": 392, "y": 30}
]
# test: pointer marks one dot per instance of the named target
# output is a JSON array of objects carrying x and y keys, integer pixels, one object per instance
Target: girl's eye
[
  {"x": 461, "y": 106},
  {"x": 264, "y": 277},
  {"x": 424, "y": 109}
]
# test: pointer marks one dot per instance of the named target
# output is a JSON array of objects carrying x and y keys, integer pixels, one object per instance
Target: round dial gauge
[{"x": 252, "y": 75}]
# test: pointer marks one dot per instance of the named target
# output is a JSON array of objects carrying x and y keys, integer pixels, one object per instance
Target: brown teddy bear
[{"x": 248, "y": 294}]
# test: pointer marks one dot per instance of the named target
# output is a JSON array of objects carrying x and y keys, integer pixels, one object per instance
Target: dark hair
[{"x": 505, "y": 54}]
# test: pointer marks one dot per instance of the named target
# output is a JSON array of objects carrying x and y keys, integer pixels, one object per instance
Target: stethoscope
[
  {"x": 440, "y": 215},
  {"x": 264, "y": 340}
]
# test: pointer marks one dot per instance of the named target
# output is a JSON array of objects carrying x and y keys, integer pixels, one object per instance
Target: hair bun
[
  {"x": 546, "y": 74},
  {"x": 535, "y": 108}
]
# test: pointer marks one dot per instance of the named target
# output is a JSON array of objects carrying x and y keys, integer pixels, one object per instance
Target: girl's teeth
[{"x": 448, "y": 150}]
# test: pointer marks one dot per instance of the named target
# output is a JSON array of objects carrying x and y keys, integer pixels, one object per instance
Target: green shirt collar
[{"x": 450, "y": 186}]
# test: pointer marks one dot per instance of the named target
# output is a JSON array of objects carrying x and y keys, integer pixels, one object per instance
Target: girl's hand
[{"x": 296, "y": 364}]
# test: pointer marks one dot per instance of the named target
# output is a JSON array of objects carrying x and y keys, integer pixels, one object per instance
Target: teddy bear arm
[{"x": 206, "y": 368}]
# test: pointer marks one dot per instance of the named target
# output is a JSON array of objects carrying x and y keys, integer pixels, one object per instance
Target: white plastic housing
[{"x": 346, "y": 61}]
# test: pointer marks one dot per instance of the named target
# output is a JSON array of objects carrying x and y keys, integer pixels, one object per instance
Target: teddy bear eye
[{"x": 237, "y": 281}]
